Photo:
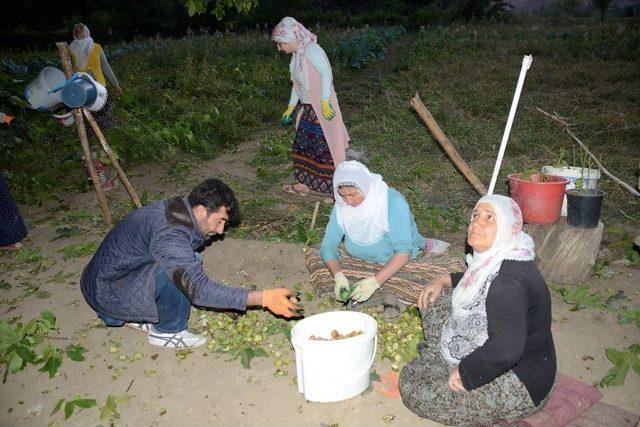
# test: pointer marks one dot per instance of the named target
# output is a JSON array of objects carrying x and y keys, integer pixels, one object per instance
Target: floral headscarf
[
  {"x": 80, "y": 48},
  {"x": 289, "y": 30},
  {"x": 466, "y": 328}
]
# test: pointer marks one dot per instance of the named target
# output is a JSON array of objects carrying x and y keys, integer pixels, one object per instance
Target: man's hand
[
  {"x": 118, "y": 92},
  {"x": 455, "y": 382},
  {"x": 327, "y": 109},
  {"x": 286, "y": 116},
  {"x": 277, "y": 301},
  {"x": 433, "y": 289},
  {"x": 364, "y": 289},
  {"x": 340, "y": 286}
]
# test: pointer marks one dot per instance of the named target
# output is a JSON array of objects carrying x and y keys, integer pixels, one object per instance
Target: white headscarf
[
  {"x": 81, "y": 48},
  {"x": 289, "y": 30},
  {"x": 466, "y": 328},
  {"x": 366, "y": 223}
]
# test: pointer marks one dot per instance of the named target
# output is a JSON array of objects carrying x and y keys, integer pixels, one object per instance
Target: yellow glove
[
  {"x": 327, "y": 110},
  {"x": 364, "y": 289},
  {"x": 286, "y": 116},
  {"x": 341, "y": 286}
]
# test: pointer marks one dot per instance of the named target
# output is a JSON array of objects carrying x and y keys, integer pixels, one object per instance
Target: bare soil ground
[{"x": 203, "y": 388}]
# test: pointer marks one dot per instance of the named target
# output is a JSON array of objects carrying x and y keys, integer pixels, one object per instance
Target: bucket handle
[
  {"x": 368, "y": 367},
  {"x": 73, "y": 78}
]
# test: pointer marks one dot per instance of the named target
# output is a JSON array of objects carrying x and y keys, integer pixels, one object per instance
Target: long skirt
[
  {"x": 104, "y": 118},
  {"x": 424, "y": 389},
  {"x": 406, "y": 284},
  {"x": 312, "y": 161},
  {"x": 12, "y": 228}
]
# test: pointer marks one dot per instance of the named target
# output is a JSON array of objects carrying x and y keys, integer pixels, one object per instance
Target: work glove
[
  {"x": 327, "y": 109},
  {"x": 364, "y": 289},
  {"x": 341, "y": 287},
  {"x": 278, "y": 302},
  {"x": 286, "y": 116}
]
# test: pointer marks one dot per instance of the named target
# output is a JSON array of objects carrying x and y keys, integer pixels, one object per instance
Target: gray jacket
[{"x": 119, "y": 281}]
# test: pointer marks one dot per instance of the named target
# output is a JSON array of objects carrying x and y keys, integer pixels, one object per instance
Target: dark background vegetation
[{"x": 33, "y": 23}]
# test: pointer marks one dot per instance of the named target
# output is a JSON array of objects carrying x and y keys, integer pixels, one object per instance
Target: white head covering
[
  {"x": 366, "y": 223},
  {"x": 510, "y": 243},
  {"x": 81, "y": 47},
  {"x": 289, "y": 30},
  {"x": 466, "y": 328}
]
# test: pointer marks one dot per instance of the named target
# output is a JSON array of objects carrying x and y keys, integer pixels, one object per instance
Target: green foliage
[
  {"x": 622, "y": 360},
  {"x": 219, "y": 7},
  {"x": 398, "y": 340},
  {"x": 78, "y": 250},
  {"x": 245, "y": 337},
  {"x": 629, "y": 315},
  {"x": 19, "y": 344},
  {"x": 70, "y": 405},
  {"x": 109, "y": 411},
  {"x": 581, "y": 297},
  {"x": 367, "y": 46}
]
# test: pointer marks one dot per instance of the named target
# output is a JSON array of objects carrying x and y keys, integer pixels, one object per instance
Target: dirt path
[{"x": 204, "y": 388}]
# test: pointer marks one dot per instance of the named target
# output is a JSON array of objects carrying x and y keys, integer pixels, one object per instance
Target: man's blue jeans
[{"x": 173, "y": 307}]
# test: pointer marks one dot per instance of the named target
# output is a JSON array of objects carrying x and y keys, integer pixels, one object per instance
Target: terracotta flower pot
[{"x": 540, "y": 198}]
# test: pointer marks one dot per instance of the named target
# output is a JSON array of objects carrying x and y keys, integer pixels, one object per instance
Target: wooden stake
[
  {"x": 114, "y": 160},
  {"x": 448, "y": 147},
  {"x": 77, "y": 114},
  {"x": 618, "y": 181},
  {"x": 314, "y": 217}
]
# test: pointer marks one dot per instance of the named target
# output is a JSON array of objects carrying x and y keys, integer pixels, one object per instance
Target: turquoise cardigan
[{"x": 402, "y": 237}]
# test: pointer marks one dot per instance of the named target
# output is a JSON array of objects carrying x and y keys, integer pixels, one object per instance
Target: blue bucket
[{"x": 79, "y": 92}]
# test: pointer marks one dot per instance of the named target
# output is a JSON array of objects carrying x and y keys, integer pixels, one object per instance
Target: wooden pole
[
  {"x": 448, "y": 147},
  {"x": 314, "y": 217},
  {"x": 77, "y": 114},
  {"x": 114, "y": 160}
]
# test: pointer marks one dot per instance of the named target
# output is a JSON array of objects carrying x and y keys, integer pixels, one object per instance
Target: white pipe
[{"x": 526, "y": 63}]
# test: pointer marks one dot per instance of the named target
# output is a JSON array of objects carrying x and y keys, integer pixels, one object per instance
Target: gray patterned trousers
[{"x": 424, "y": 388}]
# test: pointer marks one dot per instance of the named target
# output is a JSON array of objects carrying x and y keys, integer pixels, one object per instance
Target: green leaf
[
  {"x": 15, "y": 363},
  {"x": 25, "y": 353},
  {"x": 68, "y": 409},
  {"x": 75, "y": 352},
  {"x": 57, "y": 408},
  {"x": 85, "y": 403},
  {"x": 51, "y": 366},
  {"x": 110, "y": 409},
  {"x": 191, "y": 8},
  {"x": 245, "y": 357}
]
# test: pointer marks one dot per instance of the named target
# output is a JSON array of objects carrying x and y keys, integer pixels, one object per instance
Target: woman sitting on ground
[
  {"x": 489, "y": 352},
  {"x": 376, "y": 225}
]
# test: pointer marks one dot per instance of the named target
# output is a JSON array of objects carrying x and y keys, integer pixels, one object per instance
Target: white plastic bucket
[
  {"x": 65, "y": 120},
  {"x": 589, "y": 178},
  {"x": 37, "y": 92},
  {"x": 101, "y": 98},
  {"x": 329, "y": 371}
]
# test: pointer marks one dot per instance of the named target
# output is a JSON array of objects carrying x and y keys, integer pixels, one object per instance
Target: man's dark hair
[{"x": 213, "y": 194}]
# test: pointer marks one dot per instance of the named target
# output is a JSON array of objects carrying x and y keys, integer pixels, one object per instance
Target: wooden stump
[{"x": 565, "y": 254}]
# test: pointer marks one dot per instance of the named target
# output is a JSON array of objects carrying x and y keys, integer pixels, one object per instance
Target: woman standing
[
  {"x": 321, "y": 137},
  {"x": 88, "y": 57},
  {"x": 489, "y": 352}
]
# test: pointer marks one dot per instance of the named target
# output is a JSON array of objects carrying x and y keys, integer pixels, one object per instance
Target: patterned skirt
[
  {"x": 312, "y": 161},
  {"x": 104, "y": 118},
  {"x": 406, "y": 284},
  {"x": 424, "y": 390}
]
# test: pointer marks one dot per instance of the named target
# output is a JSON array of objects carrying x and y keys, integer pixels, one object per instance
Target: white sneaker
[
  {"x": 143, "y": 327},
  {"x": 177, "y": 340}
]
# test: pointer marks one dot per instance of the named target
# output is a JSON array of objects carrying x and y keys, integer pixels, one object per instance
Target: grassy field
[{"x": 202, "y": 96}]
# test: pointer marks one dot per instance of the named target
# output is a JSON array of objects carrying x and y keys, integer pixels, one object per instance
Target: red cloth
[{"x": 570, "y": 398}]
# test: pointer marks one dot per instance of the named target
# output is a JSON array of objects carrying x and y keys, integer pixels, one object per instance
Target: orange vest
[{"x": 93, "y": 64}]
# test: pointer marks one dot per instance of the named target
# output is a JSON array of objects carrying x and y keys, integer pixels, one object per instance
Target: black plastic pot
[{"x": 583, "y": 207}]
